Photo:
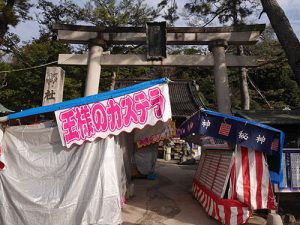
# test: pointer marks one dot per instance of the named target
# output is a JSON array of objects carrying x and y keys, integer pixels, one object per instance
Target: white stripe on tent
[
  {"x": 222, "y": 213},
  {"x": 211, "y": 207},
  {"x": 239, "y": 176},
  {"x": 265, "y": 184},
  {"x": 199, "y": 193},
  {"x": 205, "y": 201},
  {"x": 233, "y": 216},
  {"x": 216, "y": 212},
  {"x": 208, "y": 204},
  {"x": 202, "y": 197},
  {"x": 253, "y": 177},
  {"x": 245, "y": 214}
]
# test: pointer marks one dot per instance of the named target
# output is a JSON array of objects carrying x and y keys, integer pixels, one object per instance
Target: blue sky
[{"x": 29, "y": 30}]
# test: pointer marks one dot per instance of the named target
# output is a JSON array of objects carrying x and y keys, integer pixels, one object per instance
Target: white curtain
[{"x": 45, "y": 183}]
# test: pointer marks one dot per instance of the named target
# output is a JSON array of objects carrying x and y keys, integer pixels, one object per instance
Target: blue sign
[{"x": 239, "y": 131}]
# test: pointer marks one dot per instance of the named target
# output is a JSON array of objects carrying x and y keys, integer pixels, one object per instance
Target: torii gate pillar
[
  {"x": 220, "y": 74},
  {"x": 94, "y": 67}
]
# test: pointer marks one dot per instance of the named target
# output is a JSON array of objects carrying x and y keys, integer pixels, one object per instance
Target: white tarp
[{"x": 47, "y": 184}]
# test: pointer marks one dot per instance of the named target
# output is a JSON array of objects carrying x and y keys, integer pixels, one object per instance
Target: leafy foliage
[
  {"x": 65, "y": 12},
  {"x": 232, "y": 12},
  {"x": 274, "y": 77},
  {"x": 285, "y": 34},
  {"x": 170, "y": 14},
  {"x": 278, "y": 84},
  {"x": 23, "y": 89},
  {"x": 11, "y": 13},
  {"x": 125, "y": 13}
]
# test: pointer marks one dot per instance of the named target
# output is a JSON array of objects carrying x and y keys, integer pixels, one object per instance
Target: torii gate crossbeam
[{"x": 217, "y": 38}]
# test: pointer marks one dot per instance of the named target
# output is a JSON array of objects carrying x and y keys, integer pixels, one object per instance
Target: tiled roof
[
  {"x": 183, "y": 95},
  {"x": 271, "y": 117}
]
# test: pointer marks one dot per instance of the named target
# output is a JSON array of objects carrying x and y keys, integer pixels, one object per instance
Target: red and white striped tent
[{"x": 231, "y": 182}]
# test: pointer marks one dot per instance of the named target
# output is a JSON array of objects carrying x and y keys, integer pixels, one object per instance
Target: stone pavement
[{"x": 168, "y": 199}]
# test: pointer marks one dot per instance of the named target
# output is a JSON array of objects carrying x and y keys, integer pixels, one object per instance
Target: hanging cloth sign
[
  {"x": 234, "y": 129},
  {"x": 114, "y": 115},
  {"x": 151, "y": 135}
]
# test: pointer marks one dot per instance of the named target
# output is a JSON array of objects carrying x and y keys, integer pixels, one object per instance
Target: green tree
[
  {"x": 3, "y": 75},
  {"x": 274, "y": 78},
  {"x": 11, "y": 13},
  {"x": 169, "y": 11},
  {"x": 112, "y": 13},
  {"x": 25, "y": 87},
  {"x": 68, "y": 12},
  {"x": 226, "y": 12},
  {"x": 285, "y": 34},
  {"x": 64, "y": 12},
  {"x": 119, "y": 13}
]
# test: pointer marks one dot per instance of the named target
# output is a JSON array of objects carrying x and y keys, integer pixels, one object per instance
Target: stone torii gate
[{"x": 217, "y": 38}]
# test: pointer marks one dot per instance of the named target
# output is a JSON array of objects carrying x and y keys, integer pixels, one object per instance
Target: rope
[
  {"x": 259, "y": 92},
  {"x": 28, "y": 68}
]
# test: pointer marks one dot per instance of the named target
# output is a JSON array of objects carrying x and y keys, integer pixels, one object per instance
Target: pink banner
[{"x": 112, "y": 116}]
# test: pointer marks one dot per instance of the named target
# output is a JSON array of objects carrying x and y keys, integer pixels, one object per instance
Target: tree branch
[
  {"x": 214, "y": 17},
  {"x": 277, "y": 60},
  {"x": 262, "y": 12},
  {"x": 259, "y": 92},
  {"x": 3, "y": 82}
]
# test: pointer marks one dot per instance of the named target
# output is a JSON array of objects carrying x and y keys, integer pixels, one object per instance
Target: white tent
[
  {"x": 45, "y": 184},
  {"x": 4, "y": 110},
  {"x": 49, "y": 179}
]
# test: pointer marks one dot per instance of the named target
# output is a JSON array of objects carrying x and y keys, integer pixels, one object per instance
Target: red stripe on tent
[
  {"x": 201, "y": 198},
  {"x": 271, "y": 198},
  {"x": 227, "y": 212},
  {"x": 197, "y": 192},
  {"x": 246, "y": 175},
  {"x": 254, "y": 188},
  {"x": 240, "y": 215},
  {"x": 259, "y": 175},
  {"x": 229, "y": 202},
  {"x": 233, "y": 180},
  {"x": 206, "y": 202},
  {"x": 226, "y": 204}
]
